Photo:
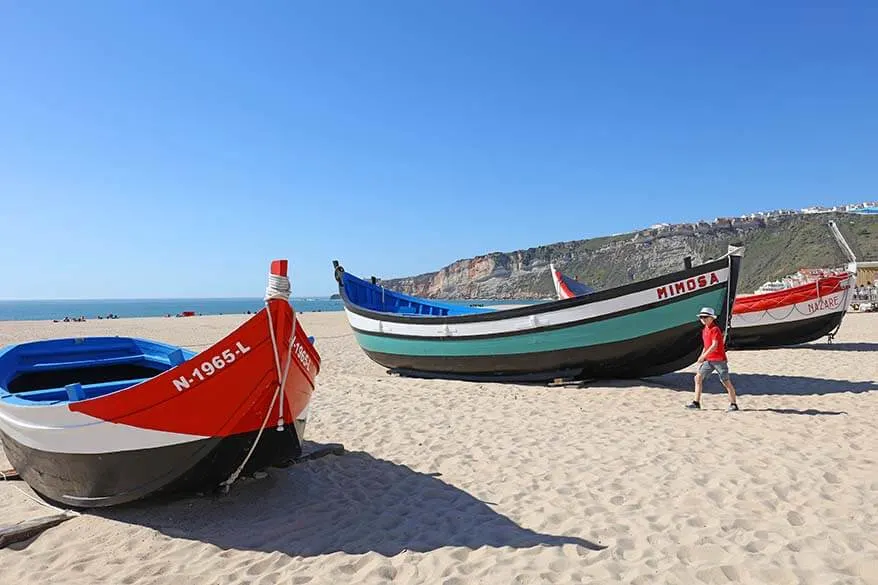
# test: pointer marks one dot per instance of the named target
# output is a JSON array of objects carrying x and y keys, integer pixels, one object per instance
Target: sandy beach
[{"x": 457, "y": 483}]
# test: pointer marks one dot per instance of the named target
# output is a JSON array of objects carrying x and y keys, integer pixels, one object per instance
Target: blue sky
[{"x": 161, "y": 149}]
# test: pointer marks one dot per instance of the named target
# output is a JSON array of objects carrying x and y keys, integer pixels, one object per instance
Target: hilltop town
[{"x": 757, "y": 219}]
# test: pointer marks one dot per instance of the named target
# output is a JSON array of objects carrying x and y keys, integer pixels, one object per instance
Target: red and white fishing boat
[
  {"x": 101, "y": 421},
  {"x": 790, "y": 316}
]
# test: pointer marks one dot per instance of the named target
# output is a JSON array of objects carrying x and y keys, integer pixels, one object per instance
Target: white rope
[
  {"x": 273, "y": 342},
  {"x": 278, "y": 288},
  {"x": 40, "y": 502},
  {"x": 280, "y": 406},
  {"x": 232, "y": 478},
  {"x": 844, "y": 304}
]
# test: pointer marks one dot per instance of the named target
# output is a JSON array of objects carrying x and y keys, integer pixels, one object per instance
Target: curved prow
[{"x": 567, "y": 287}]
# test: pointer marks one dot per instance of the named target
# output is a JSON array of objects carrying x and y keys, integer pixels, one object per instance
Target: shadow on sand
[
  {"x": 353, "y": 503},
  {"x": 851, "y": 346},
  {"x": 807, "y": 411},
  {"x": 763, "y": 385}
]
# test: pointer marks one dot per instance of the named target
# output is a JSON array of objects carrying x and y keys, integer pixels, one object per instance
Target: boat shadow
[
  {"x": 763, "y": 385},
  {"x": 844, "y": 346},
  {"x": 353, "y": 503}
]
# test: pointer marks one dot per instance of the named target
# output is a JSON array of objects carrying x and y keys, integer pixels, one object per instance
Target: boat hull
[
  {"x": 86, "y": 480},
  {"x": 784, "y": 333},
  {"x": 790, "y": 317},
  {"x": 650, "y": 355},
  {"x": 643, "y": 329}
]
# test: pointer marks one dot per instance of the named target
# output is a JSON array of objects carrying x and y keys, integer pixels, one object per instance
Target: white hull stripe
[
  {"x": 833, "y": 303},
  {"x": 57, "y": 429},
  {"x": 528, "y": 322}
]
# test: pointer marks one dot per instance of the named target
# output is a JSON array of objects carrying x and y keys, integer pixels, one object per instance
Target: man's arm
[{"x": 707, "y": 351}]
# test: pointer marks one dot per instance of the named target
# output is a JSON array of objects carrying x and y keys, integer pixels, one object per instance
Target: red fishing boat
[{"x": 101, "y": 421}]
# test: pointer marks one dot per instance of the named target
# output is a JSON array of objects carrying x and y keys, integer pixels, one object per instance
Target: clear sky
[{"x": 172, "y": 148}]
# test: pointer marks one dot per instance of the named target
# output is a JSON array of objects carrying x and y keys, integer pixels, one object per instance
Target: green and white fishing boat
[{"x": 644, "y": 328}]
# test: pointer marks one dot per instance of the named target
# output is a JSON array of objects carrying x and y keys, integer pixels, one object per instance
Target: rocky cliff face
[{"x": 776, "y": 246}]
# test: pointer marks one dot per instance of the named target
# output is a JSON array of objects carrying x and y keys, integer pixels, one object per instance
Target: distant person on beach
[{"x": 712, "y": 359}]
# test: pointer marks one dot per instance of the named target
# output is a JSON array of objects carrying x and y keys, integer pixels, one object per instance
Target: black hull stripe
[
  {"x": 649, "y": 355},
  {"x": 106, "y": 479},
  {"x": 552, "y": 305},
  {"x": 720, "y": 320},
  {"x": 784, "y": 333}
]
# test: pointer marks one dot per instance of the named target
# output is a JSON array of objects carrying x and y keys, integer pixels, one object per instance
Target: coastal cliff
[{"x": 775, "y": 246}]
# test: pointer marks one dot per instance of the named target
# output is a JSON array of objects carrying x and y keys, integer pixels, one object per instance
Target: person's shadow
[
  {"x": 763, "y": 384},
  {"x": 352, "y": 503}
]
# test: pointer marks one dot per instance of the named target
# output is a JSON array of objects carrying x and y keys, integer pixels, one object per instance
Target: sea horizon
[{"x": 59, "y": 309}]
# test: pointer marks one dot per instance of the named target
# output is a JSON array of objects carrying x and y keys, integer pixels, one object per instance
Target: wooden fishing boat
[
  {"x": 790, "y": 316},
  {"x": 640, "y": 329},
  {"x": 99, "y": 421}
]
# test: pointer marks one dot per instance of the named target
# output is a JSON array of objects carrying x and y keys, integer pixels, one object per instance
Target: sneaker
[
  {"x": 732, "y": 407},
  {"x": 694, "y": 405}
]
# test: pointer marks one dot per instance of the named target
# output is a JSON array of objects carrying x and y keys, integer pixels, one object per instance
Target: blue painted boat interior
[
  {"x": 67, "y": 370},
  {"x": 377, "y": 298}
]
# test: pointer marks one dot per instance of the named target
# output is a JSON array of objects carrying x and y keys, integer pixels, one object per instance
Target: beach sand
[{"x": 458, "y": 483}]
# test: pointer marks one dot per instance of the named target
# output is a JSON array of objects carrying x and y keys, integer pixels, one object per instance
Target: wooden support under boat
[
  {"x": 30, "y": 528},
  {"x": 9, "y": 474},
  {"x": 309, "y": 454}
]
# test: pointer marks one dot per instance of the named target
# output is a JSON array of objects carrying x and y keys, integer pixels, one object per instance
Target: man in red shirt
[{"x": 713, "y": 358}]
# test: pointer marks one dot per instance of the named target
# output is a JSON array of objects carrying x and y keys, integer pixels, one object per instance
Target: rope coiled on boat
[{"x": 278, "y": 287}]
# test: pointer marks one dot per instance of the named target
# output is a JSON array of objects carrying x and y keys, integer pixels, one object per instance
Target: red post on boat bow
[{"x": 279, "y": 267}]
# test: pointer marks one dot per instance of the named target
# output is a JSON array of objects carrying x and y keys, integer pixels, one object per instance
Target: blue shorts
[{"x": 721, "y": 368}]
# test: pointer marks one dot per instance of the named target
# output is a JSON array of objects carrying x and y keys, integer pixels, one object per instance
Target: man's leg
[
  {"x": 723, "y": 370},
  {"x": 730, "y": 388},
  {"x": 703, "y": 371},
  {"x": 699, "y": 384}
]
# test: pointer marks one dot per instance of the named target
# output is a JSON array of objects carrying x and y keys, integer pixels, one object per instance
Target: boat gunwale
[
  {"x": 544, "y": 328},
  {"x": 750, "y": 298},
  {"x": 538, "y": 308}
]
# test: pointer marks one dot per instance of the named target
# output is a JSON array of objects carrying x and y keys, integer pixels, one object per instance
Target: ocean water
[{"x": 93, "y": 308}]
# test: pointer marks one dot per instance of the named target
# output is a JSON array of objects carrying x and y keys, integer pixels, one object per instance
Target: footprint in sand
[
  {"x": 755, "y": 546},
  {"x": 795, "y": 519}
]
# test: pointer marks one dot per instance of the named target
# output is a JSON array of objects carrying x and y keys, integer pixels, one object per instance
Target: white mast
[{"x": 844, "y": 246}]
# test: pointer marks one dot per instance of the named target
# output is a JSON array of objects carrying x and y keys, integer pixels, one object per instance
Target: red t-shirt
[{"x": 708, "y": 336}]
